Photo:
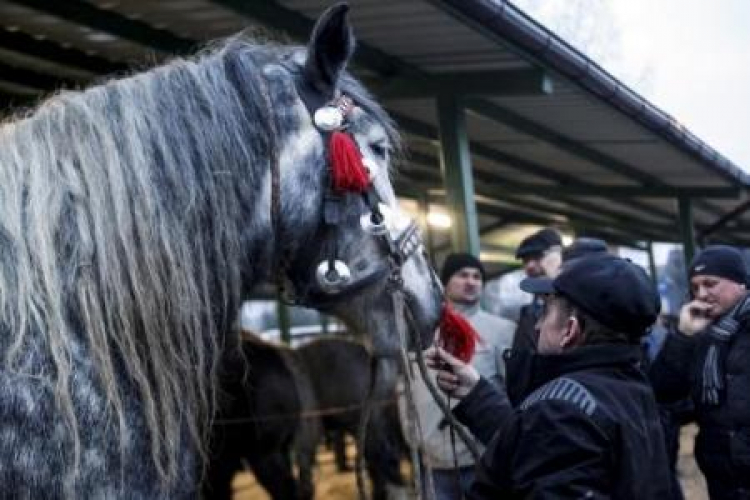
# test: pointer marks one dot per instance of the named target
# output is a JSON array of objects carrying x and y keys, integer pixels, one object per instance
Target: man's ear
[{"x": 573, "y": 335}]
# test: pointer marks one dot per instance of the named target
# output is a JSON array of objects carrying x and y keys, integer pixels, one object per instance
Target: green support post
[
  {"x": 652, "y": 262},
  {"x": 282, "y": 310},
  {"x": 687, "y": 228},
  {"x": 455, "y": 163}
]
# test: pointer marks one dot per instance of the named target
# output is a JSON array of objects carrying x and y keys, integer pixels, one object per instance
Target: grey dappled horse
[{"x": 133, "y": 216}]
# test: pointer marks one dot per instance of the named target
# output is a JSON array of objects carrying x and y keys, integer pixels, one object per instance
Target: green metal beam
[
  {"x": 581, "y": 217},
  {"x": 416, "y": 127},
  {"x": 610, "y": 191},
  {"x": 610, "y": 234},
  {"x": 724, "y": 220},
  {"x": 506, "y": 83},
  {"x": 686, "y": 228},
  {"x": 107, "y": 21},
  {"x": 500, "y": 114},
  {"x": 503, "y": 115},
  {"x": 285, "y": 324},
  {"x": 23, "y": 43},
  {"x": 455, "y": 163}
]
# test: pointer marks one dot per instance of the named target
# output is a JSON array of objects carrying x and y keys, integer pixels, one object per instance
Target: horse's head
[{"x": 341, "y": 250}]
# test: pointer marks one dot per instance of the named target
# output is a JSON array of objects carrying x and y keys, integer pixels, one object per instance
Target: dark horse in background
[
  {"x": 263, "y": 392},
  {"x": 340, "y": 372},
  {"x": 285, "y": 406},
  {"x": 134, "y": 216}
]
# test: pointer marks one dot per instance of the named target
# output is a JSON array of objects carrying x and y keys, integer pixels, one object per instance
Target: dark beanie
[
  {"x": 722, "y": 261},
  {"x": 455, "y": 262}
]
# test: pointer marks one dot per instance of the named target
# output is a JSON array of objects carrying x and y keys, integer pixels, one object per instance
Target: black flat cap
[
  {"x": 582, "y": 247},
  {"x": 538, "y": 243},
  {"x": 612, "y": 290}
]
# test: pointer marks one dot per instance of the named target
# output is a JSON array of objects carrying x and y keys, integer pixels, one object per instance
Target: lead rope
[
  {"x": 460, "y": 430},
  {"x": 364, "y": 420},
  {"x": 414, "y": 425}
]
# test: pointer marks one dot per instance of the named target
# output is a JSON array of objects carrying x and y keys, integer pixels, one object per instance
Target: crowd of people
[{"x": 584, "y": 396}]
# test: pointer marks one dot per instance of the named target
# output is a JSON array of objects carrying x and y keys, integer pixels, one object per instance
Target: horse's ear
[{"x": 331, "y": 45}]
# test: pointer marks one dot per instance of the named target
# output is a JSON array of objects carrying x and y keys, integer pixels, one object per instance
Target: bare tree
[{"x": 592, "y": 27}]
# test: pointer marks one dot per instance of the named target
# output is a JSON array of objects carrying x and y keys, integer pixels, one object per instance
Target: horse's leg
[
  {"x": 224, "y": 463},
  {"x": 383, "y": 455},
  {"x": 274, "y": 472},
  {"x": 218, "y": 482},
  {"x": 339, "y": 450},
  {"x": 306, "y": 447}
]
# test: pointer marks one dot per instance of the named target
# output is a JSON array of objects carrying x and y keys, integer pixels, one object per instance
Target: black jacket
[
  {"x": 722, "y": 448},
  {"x": 588, "y": 427},
  {"x": 526, "y": 336}
]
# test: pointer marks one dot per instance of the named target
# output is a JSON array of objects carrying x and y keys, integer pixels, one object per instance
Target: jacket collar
[{"x": 531, "y": 369}]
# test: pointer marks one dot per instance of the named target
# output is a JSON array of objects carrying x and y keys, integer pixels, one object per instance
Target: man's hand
[
  {"x": 454, "y": 377},
  {"x": 694, "y": 317}
]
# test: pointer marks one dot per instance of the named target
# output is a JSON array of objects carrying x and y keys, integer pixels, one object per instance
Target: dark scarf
[{"x": 720, "y": 334}]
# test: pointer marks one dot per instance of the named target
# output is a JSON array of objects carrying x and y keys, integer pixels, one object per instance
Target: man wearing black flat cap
[
  {"x": 707, "y": 357},
  {"x": 587, "y": 425},
  {"x": 540, "y": 254}
]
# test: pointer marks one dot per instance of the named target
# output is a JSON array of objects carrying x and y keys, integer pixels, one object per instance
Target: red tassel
[
  {"x": 347, "y": 170},
  {"x": 457, "y": 336}
]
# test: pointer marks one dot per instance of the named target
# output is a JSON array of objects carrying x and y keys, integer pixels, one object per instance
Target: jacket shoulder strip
[{"x": 563, "y": 389}]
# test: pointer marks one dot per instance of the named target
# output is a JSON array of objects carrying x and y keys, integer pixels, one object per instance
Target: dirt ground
[{"x": 331, "y": 485}]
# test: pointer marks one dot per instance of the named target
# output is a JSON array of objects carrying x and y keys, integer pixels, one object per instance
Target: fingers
[
  {"x": 447, "y": 381},
  {"x": 450, "y": 359},
  {"x": 699, "y": 305}
]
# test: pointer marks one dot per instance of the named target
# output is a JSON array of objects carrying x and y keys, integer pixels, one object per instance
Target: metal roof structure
[{"x": 553, "y": 138}]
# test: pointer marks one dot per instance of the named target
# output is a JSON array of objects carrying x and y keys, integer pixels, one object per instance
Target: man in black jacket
[
  {"x": 540, "y": 254},
  {"x": 708, "y": 357},
  {"x": 587, "y": 425}
]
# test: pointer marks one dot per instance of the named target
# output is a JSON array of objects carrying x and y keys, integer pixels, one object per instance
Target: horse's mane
[{"x": 124, "y": 246}]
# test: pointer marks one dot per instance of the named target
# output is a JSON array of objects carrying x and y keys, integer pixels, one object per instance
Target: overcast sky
[{"x": 691, "y": 58}]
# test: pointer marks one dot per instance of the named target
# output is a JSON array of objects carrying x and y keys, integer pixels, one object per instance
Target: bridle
[{"x": 333, "y": 281}]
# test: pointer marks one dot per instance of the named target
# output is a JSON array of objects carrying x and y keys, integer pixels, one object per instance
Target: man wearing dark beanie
[
  {"x": 463, "y": 276},
  {"x": 707, "y": 357}
]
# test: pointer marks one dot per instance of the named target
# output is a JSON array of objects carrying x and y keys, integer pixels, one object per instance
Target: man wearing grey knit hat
[{"x": 708, "y": 358}]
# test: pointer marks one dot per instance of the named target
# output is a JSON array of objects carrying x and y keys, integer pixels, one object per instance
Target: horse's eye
[{"x": 379, "y": 150}]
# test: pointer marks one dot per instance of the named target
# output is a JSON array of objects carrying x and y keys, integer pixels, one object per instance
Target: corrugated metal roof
[{"x": 588, "y": 131}]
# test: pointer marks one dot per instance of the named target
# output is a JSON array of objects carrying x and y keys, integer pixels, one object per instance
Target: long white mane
[{"x": 123, "y": 229}]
